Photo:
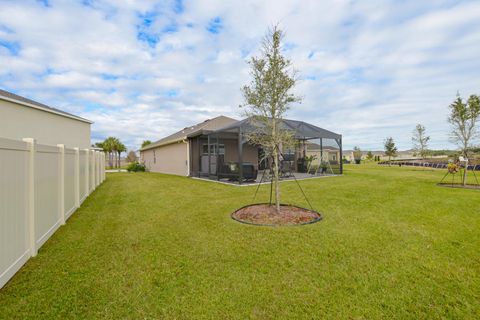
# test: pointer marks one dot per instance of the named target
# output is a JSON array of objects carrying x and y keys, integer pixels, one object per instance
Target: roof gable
[
  {"x": 8, "y": 96},
  {"x": 207, "y": 125}
]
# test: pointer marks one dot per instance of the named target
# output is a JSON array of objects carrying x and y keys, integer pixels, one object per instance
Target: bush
[{"x": 136, "y": 167}]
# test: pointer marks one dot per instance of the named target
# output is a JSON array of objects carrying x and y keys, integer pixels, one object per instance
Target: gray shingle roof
[
  {"x": 207, "y": 125},
  {"x": 302, "y": 129},
  {"x": 22, "y": 100}
]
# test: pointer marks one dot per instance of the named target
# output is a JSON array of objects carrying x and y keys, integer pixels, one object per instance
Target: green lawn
[{"x": 392, "y": 245}]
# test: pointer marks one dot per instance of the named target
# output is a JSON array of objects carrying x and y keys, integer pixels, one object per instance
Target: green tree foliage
[
  {"x": 146, "y": 143},
  {"x": 119, "y": 149},
  {"x": 113, "y": 148},
  {"x": 267, "y": 98},
  {"x": 390, "y": 148},
  {"x": 420, "y": 141},
  {"x": 463, "y": 119}
]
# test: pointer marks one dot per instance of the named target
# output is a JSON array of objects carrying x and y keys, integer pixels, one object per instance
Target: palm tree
[
  {"x": 120, "y": 148},
  {"x": 109, "y": 147},
  {"x": 114, "y": 148}
]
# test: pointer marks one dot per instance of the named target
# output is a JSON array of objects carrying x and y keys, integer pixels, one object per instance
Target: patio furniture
[
  {"x": 286, "y": 169},
  {"x": 230, "y": 170}
]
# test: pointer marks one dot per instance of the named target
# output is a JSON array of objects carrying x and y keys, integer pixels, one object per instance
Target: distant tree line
[{"x": 463, "y": 118}]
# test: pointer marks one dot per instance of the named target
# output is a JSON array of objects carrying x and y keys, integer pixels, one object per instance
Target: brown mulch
[
  {"x": 265, "y": 214},
  {"x": 460, "y": 186}
]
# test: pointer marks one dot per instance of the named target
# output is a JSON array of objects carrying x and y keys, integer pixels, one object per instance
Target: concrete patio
[{"x": 266, "y": 178}]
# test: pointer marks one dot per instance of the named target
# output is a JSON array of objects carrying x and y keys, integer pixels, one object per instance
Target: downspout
[{"x": 188, "y": 156}]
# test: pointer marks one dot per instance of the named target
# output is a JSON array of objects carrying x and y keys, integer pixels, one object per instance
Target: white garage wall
[{"x": 40, "y": 187}]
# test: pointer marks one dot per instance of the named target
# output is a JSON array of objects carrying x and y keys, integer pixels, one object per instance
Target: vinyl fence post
[
  {"x": 31, "y": 196},
  {"x": 61, "y": 182},
  {"x": 77, "y": 177}
]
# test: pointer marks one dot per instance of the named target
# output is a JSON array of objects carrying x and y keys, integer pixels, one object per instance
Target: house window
[{"x": 213, "y": 149}]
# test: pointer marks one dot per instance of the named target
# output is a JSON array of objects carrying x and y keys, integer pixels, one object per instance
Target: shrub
[{"x": 136, "y": 167}]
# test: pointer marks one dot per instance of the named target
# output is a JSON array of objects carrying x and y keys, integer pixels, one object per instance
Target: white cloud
[{"x": 369, "y": 69}]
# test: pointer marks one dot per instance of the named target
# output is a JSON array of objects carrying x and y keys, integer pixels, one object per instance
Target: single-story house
[
  {"x": 24, "y": 118},
  {"x": 322, "y": 153},
  {"x": 214, "y": 149},
  {"x": 176, "y": 153}
]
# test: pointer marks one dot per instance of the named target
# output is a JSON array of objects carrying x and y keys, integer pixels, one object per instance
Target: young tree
[
  {"x": 131, "y": 156},
  {"x": 146, "y": 143},
  {"x": 390, "y": 149},
  {"x": 420, "y": 141},
  {"x": 463, "y": 118},
  {"x": 267, "y": 98}
]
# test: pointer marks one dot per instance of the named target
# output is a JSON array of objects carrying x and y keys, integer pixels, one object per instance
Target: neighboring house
[
  {"x": 24, "y": 118},
  {"x": 215, "y": 147},
  {"x": 406, "y": 154},
  {"x": 322, "y": 153}
]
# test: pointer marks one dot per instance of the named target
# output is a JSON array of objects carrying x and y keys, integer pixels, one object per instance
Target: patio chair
[
  {"x": 285, "y": 169},
  {"x": 230, "y": 170}
]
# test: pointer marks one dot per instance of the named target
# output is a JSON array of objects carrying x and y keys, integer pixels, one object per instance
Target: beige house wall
[
  {"x": 18, "y": 121},
  {"x": 171, "y": 159},
  {"x": 332, "y": 156}
]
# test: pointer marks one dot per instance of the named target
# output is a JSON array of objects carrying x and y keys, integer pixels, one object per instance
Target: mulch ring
[
  {"x": 264, "y": 214},
  {"x": 460, "y": 186}
]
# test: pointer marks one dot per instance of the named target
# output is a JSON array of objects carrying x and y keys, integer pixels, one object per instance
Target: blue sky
[{"x": 144, "y": 69}]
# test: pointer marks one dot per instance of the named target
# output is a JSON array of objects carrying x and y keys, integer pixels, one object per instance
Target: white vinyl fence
[{"x": 40, "y": 188}]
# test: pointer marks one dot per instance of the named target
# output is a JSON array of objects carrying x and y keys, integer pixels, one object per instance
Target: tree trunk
[{"x": 275, "y": 180}]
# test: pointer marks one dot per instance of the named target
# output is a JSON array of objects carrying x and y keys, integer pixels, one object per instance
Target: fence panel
[
  {"x": 47, "y": 195},
  {"x": 14, "y": 248},
  {"x": 40, "y": 187},
  {"x": 69, "y": 182}
]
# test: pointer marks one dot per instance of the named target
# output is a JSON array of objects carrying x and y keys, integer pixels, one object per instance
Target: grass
[{"x": 392, "y": 245}]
